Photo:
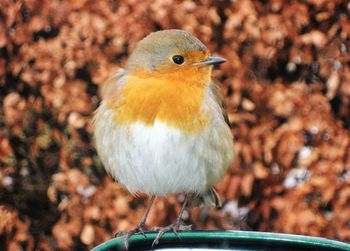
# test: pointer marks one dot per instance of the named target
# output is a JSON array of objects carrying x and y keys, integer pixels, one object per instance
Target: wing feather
[
  {"x": 221, "y": 101},
  {"x": 111, "y": 87}
]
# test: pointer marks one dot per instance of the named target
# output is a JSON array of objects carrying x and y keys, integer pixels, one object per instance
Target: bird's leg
[
  {"x": 172, "y": 227},
  {"x": 140, "y": 228},
  {"x": 142, "y": 225}
]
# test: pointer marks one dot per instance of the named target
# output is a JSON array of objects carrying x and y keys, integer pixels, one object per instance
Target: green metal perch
[{"x": 225, "y": 240}]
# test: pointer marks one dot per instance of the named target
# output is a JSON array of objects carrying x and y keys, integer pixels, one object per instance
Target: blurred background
[{"x": 286, "y": 82}]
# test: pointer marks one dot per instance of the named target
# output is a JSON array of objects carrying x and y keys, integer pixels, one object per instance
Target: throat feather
[{"x": 176, "y": 104}]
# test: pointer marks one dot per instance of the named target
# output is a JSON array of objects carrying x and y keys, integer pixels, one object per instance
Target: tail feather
[{"x": 209, "y": 198}]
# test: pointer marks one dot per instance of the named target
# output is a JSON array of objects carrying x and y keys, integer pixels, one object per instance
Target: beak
[{"x": 211, "y": 61}]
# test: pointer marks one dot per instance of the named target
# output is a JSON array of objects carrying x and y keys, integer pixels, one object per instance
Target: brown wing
[{"x": 221, "y": 100}]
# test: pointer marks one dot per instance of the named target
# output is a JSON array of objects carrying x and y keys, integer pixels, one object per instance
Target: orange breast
[{"x": 175, "y": 99}]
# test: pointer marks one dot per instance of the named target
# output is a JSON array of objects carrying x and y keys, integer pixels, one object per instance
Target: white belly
[{"x": 161, "y": 160}]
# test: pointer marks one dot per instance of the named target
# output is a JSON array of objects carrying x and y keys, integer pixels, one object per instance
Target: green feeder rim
[{"x": 224, "y": 240}]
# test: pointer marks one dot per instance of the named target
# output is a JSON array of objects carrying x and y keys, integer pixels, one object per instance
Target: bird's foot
[
  {"x": 171, "y": 228},
  {"x": 140, "y": 229}
]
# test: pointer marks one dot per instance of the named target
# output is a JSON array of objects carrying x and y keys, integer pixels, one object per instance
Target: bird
[{"x": 162, "y": 126}]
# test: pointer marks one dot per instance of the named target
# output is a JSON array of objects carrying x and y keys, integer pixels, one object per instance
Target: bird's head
[{"x": 171, "y": 52}]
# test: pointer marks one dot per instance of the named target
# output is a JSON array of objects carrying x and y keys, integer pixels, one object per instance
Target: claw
[
  {"x": 156, "y": 240},
  {"x": 176, "y": 233},
  {"x": 140, "y": 229},
  {"x": 173, "y": 228},
  {"x": 185, "y": 227},
  {"x": 126, "y": 240}
]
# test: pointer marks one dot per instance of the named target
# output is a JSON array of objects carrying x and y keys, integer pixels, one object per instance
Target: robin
[{"x": 162, "y": 125}]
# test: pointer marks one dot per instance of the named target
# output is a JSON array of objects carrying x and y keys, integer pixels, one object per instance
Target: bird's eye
[{"x": 178, "y": 59}]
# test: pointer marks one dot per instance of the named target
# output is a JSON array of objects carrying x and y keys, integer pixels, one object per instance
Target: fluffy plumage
[
  {"x": 159, "y": 158},
  {"x": 162, "y": 128}
]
